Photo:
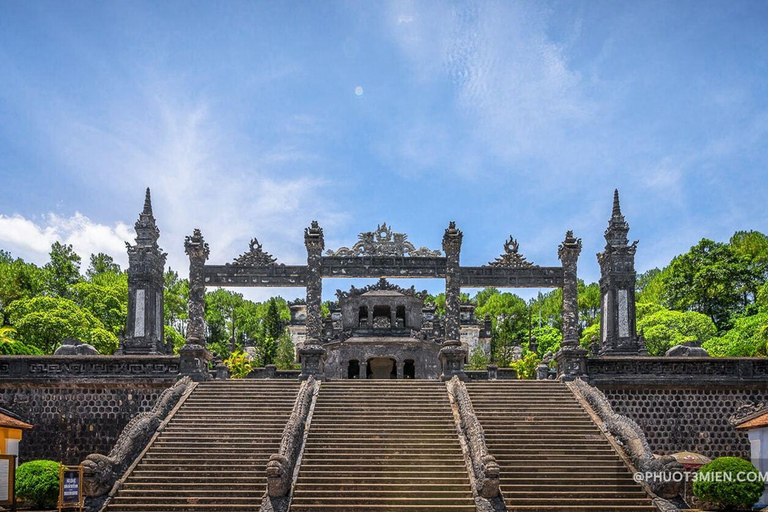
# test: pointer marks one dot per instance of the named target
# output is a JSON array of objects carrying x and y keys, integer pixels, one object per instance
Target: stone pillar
[
  {"x": 453, "y": 354},
  {"x": 370, "y": 318},
  {"x": 145, "y": 326},
  {"x": 400, "y": 365},
  {"x": 363, "y": 369},
  {"x": 618, "y": 332},
  {"x": 315, "y": 243},
  {"x": 493, "y": 372},
  {"x": 194, "y": 356},
  {"x": 344, "y": 369},
  {"x": 571, "y": 358},
  {"x": 312, "y": 353}
]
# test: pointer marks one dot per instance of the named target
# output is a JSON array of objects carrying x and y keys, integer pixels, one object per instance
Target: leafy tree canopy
[{"x": 43, "y": 322}]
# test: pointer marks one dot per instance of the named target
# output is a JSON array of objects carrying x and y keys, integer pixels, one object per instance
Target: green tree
[
  {"x": 510, "y": 320},
  {"x": 221, "y": 317},
  {"x": 664, "y": 329},
  {"x": 478, "y": 360},
  {"x": 589, "y": 303},
  {"x": 712, "y": 279},
  {"x": 175, "y": 299},
  {"x": 106, "y": 297},
  {"x": 273, "y": 324},
  {"x": 649, "y": 287},
  {"x": 747, "y": 338},
  {"x": 589, "y": 336},
  {"x": 43, "y": 322},
  {"x": 482, "y": 296},
  {"x": 548, "y": 339},
  {"x": 286, "y": 354},
  {"x": 18, "y": 280},
  {"x": 63, "y": 270},
  {"x": 101, "y": 263}
]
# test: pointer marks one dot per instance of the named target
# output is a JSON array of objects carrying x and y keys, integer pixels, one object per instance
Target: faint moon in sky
[{"x": 359, "y": 90}]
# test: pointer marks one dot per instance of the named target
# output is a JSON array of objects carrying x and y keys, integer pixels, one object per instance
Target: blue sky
[{"x": 254, "y": 118}]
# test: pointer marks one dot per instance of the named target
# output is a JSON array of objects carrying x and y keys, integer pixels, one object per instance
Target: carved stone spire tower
[
  {"x": 618, "y": 333},
  {"x": 146, "y": 263}
]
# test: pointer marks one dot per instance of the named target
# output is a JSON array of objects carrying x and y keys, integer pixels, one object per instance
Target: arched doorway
[
  {"x": 382, "y": 368},
  {"x": 409, "y": 369},
  {"x": 354, "y": 369}
]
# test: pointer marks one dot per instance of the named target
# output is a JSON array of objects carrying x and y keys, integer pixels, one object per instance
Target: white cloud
[
  {"x": 512, "y": 84},
  {"x": 32, "y": 241}
]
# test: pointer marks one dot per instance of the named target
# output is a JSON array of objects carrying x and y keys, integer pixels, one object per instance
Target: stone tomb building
[{"x": 383, "y": 331}]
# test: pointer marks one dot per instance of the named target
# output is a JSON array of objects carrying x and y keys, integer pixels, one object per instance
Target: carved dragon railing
[
  {"x": 103, "y": 474},
  {"x": 484, "y": 471},
  {"x": 629, "y": 439},
  {"x": 282, "y": 466}
]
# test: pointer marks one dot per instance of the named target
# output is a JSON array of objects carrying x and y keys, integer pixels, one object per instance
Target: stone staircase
[
  {"x": 213, "y": 453},
  {"x": 552, "y": 455},
  {"x": 382, "y": 445}
]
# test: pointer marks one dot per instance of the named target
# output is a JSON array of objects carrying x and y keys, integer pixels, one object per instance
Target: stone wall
[
  {"x": 683, "y": 404},
  {"x": 79, "y": 405}
]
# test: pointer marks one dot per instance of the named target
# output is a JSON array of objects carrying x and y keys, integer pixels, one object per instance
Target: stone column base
[
  {"x": 571, "y": 363},
  {"x": 452, "y": 357},
  {"x": 312, "y": 361},
  {"x": 193, "y": 361}
]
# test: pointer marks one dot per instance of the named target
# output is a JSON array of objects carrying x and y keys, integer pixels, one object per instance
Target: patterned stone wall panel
[
  {"x": 71, "y": 421},
  {"x": 687, "y": 419}
]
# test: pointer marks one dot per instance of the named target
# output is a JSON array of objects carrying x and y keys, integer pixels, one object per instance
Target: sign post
[
  {"x": 8, "y": 481},
  {"x": 71, "y": 487}
]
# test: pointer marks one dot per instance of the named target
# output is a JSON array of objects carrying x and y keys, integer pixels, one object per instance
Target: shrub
[
  {"x": 17, "y": 348},
  {"x": 526, "y": 367},
  {"x": 37, "y": 482},
  {"x": 724, "y": 493},
  {"x": 239, "y": 364}
]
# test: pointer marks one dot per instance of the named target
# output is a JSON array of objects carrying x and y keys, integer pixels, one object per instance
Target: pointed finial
[
  {"x": 616, "y": 205},
  {"x": 147, "y": 203}
]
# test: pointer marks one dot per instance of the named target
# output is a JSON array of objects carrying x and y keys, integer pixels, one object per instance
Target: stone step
[
  {"x": 212, "y": 455},
  {"x": 551, "y": 455}
]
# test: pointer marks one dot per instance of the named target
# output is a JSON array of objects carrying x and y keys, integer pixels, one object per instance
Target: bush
[
  {"x": 239, "y": 364},
  {"x": 526, "y": 367},
  {"x": 729, "y": 494},
  {"x": 37, "y": 482},
  {"x": 17, "y": 348}
]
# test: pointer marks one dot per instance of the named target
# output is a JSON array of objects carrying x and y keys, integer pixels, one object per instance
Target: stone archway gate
[{"x": 381, "y": 254}]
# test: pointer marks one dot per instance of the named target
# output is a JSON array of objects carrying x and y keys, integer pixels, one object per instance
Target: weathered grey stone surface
[
  {"x": 631, "y": 438},
  {"x": 194, "y": 356},
  {"x": 102, "y": 472},
  {"x": 282, "y": 465},
  {"x": 688, "y": 349},
  {"x": 146, "y": 264},
  {"x": 618, "y": 332},
  {"x": 484, "y": 468},
  {"x": 75, "y": 347}
]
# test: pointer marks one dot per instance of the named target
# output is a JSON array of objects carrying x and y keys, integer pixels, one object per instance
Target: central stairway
[
  {"x": 213, "y": 453},
  {"x": 382, "y": 445},
  {"x": 552, "y": 455}
]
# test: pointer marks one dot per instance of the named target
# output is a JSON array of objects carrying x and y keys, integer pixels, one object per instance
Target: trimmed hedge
[
  {"x": 718, "y": 483},
  {"x": 37, "y": 482}
]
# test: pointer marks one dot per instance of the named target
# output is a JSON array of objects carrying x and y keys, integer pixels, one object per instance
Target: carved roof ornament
[
  {"x": 314, "y": 240},
  {"x": 616, "y": 238},
  {"x": 511, "y": 257},
  {"x": 383, "y": 242},
  {"x": 570, "y": 248},
  {"x": 147, "y": 232},
  {"x": 255, "y": 257},
  {"x": 195, "y": 246},
  {"x": 452, "y": 239},
  {"x": 381, "y": 284}
]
